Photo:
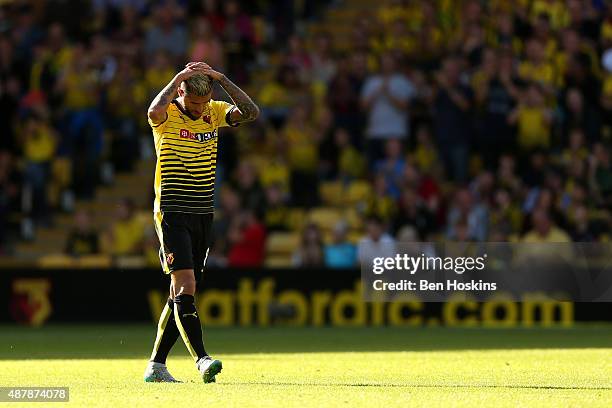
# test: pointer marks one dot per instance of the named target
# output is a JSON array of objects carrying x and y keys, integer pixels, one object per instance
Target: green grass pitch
[{"x": 329, "y": 367}]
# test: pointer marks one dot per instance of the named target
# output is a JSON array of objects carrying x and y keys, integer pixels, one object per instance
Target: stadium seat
[
  {"x": 325, "y": 217},
  {"x": 56, "y": 261},
  {"x": 358, "y": 191},
  {"x": 94, "y": 261},
  {"x": 131, "y": 261},
  {"x": 282, "y": 243},
  {"x": 278, "y": 261}
]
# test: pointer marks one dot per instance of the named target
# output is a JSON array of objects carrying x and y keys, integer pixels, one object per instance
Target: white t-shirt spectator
[
  {"x": 370, "y": 249},
  {"x": 385, "y": 120}
]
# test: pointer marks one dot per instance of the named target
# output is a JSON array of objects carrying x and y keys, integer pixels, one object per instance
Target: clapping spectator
[
  {"x": 452, "y": 103},
  {"x": 496, "y": 91},
  {"x": 385, "y": 98},
  {"x": 533, "y": 119}
]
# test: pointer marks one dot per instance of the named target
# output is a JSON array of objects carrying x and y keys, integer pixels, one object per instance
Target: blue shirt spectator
[{"x": 340, "y": 253}]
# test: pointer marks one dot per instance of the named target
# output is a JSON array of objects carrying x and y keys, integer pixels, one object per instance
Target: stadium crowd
[{"x": 427, "y": 120}]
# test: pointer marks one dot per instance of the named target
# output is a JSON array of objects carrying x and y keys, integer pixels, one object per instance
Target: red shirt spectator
[{"x": 248, "y": 238}]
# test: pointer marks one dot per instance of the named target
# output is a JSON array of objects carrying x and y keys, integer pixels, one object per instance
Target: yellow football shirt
[{"x": 187, "y": 158}]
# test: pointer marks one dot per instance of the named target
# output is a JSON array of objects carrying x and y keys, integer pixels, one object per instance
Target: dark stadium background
[{"x": 499, "y": 129}]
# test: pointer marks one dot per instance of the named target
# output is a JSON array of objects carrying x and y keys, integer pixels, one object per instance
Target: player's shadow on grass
[
  {"x": 407, "y": 385},
  {"x": 135, "y": 341}
]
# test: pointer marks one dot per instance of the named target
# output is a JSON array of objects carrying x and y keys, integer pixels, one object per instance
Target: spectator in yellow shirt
[
  {"x": 125, "y": 236},
  {"x": 536, "y": 68},
  {"x": 274, "y": 169},
  {"x": 159, "y": 72},
  {"x": 533, "y": 120},
  {"x": 78, "y": 81},
  {"x": 83, "y": 139},
  {"x": 395, "y": 10},
  {"x": 544, "y": 230},
  {"x": 351, "y": 163},
  {"x": 398, "y": 40},
  {"x": 278, "y": 96},
  {"x": 301, "y": 141},
  {"x": 543, "y": 33},
  {"x": 303, "y": 154},
  {"x": 575, "y": 149},
  {"x": 39, "y": 149},
  {"x": 554, "y": 10}
]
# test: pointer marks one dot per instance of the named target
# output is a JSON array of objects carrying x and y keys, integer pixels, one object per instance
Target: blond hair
[{"x": 199, "y": 85}]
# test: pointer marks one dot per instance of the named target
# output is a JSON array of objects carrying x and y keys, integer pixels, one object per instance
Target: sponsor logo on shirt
[{"x": 200, "y": 137}]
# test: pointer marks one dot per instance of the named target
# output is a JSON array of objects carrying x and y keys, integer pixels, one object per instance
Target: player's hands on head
[
  {"x": 205, "y": 69},
  {"x": 189, "y": 72},
  {"x": 192, "y": 69}
]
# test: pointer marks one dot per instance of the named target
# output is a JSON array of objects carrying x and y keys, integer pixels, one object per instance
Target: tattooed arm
[
  {"x": 159, "y": 106},
  {"x": 247, "y": 110}
]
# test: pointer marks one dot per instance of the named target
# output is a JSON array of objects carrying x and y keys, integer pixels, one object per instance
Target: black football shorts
[{"x": 184, "y": 240}]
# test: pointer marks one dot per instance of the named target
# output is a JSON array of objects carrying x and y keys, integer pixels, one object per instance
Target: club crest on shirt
[
  {"x": 169, "y": 258},
  {"x": 200, "y": 137},
  {"x": 206, "y": 118}
]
